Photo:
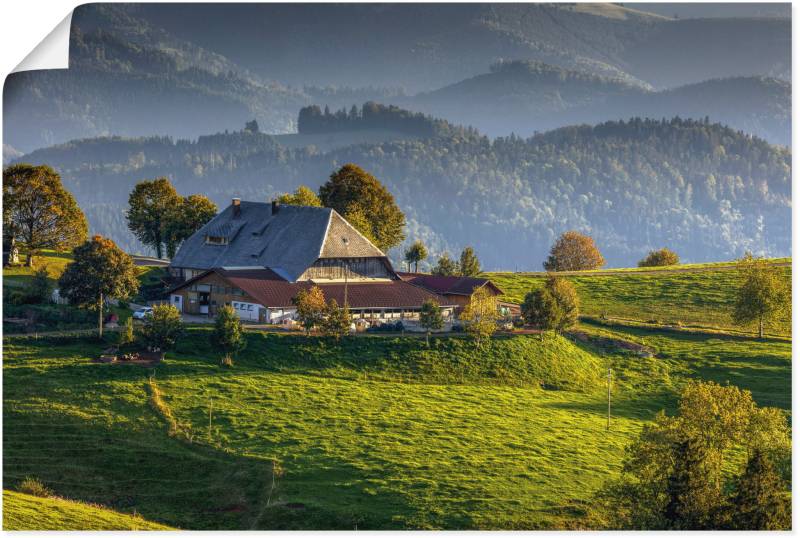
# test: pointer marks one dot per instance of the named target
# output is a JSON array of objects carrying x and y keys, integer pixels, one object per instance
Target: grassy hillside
[
  {"x": 52, "y": 317},
  {"x": 663, "y": 296},
  {"x": 29, "y": 513},
  {"x": 375, "y": 432}
]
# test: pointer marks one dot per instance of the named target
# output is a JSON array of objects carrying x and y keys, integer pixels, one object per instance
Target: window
[
  {"x": 177, "y": 299},
  {"x": 216, "y": 240},
  {"x": 250, "y": 308}
]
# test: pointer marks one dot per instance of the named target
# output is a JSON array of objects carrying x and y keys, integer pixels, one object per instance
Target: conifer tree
[
  {"x": 760, "y": 500},
  {"x": 468, "y": 264}
]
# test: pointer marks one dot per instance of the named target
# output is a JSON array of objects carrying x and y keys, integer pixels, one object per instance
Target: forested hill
[
  {"x": 524, "y": 97},
  {"x": 703, "y": 189}
]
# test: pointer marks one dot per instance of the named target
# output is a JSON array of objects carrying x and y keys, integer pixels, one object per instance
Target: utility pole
[
  {"x": 608, "y": 419},
  {"x": 346, "y": 242},
  {"x": 210, "y": 409}
]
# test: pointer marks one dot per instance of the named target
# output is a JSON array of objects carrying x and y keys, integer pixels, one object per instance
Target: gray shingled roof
[{"x": 287, "y": 242}]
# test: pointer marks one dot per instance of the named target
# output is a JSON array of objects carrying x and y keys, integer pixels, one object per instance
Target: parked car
[{"x": 143, "y": 312}]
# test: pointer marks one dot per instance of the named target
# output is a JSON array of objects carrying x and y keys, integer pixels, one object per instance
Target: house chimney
[
  {"x": 236, "y": 203},
  {"x": 276, "y": 205}
]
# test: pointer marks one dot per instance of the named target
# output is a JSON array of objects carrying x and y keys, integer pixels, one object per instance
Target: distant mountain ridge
[
  {"x": 524, "y": 97},
  {"x": 139, "y": 69}
]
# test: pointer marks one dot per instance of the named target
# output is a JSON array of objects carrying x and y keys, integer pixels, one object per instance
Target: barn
[{"x": 257, "y": 256}]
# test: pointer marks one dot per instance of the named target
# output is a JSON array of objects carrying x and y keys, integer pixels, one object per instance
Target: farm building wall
[{"x": 206, "y": 295}]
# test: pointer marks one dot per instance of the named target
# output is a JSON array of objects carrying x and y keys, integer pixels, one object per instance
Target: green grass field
[
  {"x": 26, "y": 512},
  {"x": 373, "y": 433},
  {"x": 700, "y": 299}
]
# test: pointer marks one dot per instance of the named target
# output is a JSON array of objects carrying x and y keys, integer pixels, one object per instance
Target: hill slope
[
  {"x": 374, "y": 432},
  {"x": 23, "y": 512},
  {"x": 707, "y": 191},
  {"x": 679, "y": 296},
  {"x": 358, "y": 428}
]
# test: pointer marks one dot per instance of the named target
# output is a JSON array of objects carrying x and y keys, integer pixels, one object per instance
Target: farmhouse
[
  {"x": 258, "y": 256},
  {"x": 457, "y": 290}
]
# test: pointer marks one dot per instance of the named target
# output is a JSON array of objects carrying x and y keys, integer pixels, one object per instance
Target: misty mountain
[
  {"x": 726, "y": 10},
  {"x": 524, "y": 97},
  {"x": 129, "y": 78},
  {"x": 703, "y": 189},
  {"x": 176, "y": 70},
  {"x": 422, "y": 47}
]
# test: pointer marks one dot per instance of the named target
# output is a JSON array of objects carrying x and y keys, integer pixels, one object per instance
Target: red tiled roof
[
  {"x": 448, "y": 285},
  {"x": 270, "y": 290}
]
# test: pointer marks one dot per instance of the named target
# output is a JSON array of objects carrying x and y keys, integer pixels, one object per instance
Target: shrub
[
  {"x": 163, "y": 327},
  {"x": 227, "y": 334},
  {"x": 34, "y": 486},
  {"x": 659, "y": 258},
  {"x": 553, "y": 307},
  {"x": 127, "y": 335},
  {"x": 337, "y": 320}
]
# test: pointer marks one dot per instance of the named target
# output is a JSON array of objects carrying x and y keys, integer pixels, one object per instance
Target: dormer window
[{"x": 216, "y": 240}]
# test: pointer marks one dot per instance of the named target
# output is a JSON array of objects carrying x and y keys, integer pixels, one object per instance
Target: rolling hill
[{"x": 372, "y": 432}]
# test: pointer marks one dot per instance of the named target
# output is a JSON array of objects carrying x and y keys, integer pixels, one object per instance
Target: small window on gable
[{"x": 216, "y": 240}]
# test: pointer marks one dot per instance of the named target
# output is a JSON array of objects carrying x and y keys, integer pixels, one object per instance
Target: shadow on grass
[
  {"x": 685, "y": 335},
  {"x": 644, "y": 408}
]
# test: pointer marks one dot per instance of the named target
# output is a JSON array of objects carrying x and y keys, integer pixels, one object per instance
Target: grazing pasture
[
  {"x": 374, "y": 432},
  {"x": 694, "y": 295}
]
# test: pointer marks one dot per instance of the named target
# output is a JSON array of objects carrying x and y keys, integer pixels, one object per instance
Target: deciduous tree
[
  {"x": 191, "y": 214},
  {"x": 659, "y": 258},
  {"x": 672, "y": 474},
  {"x": 574, "y": 251},
  {"x": 763, "y": 293},
  {"x": 311, "y": 307},
  {"x": 99, "y": 270},
  {"x": 353, "y": 190},
  {"x": 302, "y": 196},
  {"x": 41, "y": 288},
  {"x": 480, "y": 315},
  {"x": 153, "y": 206},
  {"x": 415, "y": 254},
  {"x": 38, "y": 212}
]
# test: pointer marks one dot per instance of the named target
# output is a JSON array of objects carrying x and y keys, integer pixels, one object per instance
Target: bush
[
  {"x": 553, "y": 307},
  {"x": 163, "y": 328},
  {"x": 660, "y": 258},
  {"x": 127, "y": 334},
  {"x": 33, "y": 486}
]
